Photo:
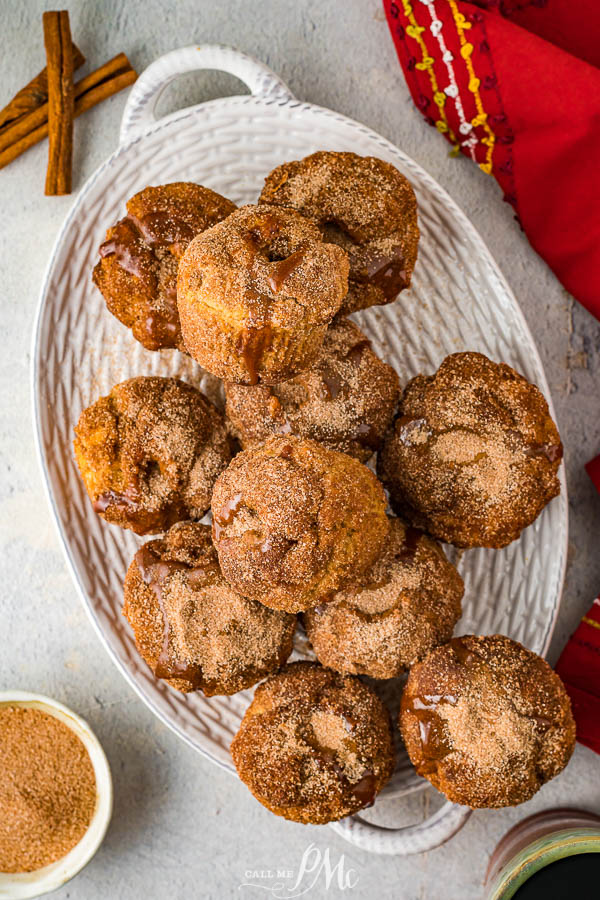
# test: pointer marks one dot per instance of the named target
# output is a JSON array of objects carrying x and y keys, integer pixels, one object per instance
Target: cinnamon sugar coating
[
  {"x": 402, "y": 608},
  {"x": 486, "y": 721},
  {"x": 363, "y": 205},
  {"x": 137, "y": 270},
  {"x": 473, "y": 455},
  {"x": 293, "y": 522},
  {"x": 345, "y": 401},
  {"x": 256, "y": 293},
  {"x": 149, "y": 453},
  {"x": 190, "y": 626},
  {"x": 314, "y": 746}
]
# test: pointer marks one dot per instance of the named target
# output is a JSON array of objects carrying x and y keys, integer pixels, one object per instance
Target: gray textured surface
[{"x": 182, "y": 828}]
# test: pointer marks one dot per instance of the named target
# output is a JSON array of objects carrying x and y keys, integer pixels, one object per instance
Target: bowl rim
[{"x": 23, "y": 885}]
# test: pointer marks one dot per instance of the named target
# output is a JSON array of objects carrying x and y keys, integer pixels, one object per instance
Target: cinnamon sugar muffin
[
  {"x": 256, "y": 293},
  {"x": 486, "y": 721},
  {"x": 474, "y": 454},
  {"x": 345, "y": 401},
  {"x": 314, "y": 746},
  {"x": 405, "y": 605},
  {"x": 362, "y": 204},
  {"x": 137, "y": 271},
  {"x": 190, "y": 626},
  {"x": 293, "y": 522},
  {"x": 149, "y": 453}
]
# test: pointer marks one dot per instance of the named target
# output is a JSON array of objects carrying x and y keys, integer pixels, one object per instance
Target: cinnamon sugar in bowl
[{"x": 55, "y": 794}]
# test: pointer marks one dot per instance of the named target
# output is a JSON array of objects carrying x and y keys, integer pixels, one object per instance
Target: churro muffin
[
  {"x": 362, "y": 204},
  {"x": 293, "y": 522},
  {"x": 345, "y": 401},
  {"x": 137, "y": 271},
  {"x": 256, "y": 293},
  {"x": 473, "y": 455},
  {"x": 314, "y": 746},
  {"x": 190, "y": 626},
  {"x": 486, "y": 721},
  {"x": 149, "y": 453},
  {"x": 405, "y": 605}
]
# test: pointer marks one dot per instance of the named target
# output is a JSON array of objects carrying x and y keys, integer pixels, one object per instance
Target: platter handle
[
  {"x": 139, "y": 114},
  {"x": 437, "y": 829}
]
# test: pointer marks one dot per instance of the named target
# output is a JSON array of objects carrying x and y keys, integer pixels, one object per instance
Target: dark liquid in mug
[{"x": 573, "y": 876}]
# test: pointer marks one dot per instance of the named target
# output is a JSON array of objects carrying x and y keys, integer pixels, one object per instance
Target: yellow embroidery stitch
[
  {"x": 466, "y": 50},
  {"x": 591, "y": 622},
  {"x": 414, "y": 30}
]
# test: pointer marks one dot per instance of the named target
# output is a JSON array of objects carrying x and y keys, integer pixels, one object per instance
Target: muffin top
[
  {"x": 474, "y": 453},
  {"x": 294, "y": 521},
  {"x": 149, "y": 453},
  {"x": 486, "y": 721},
  {"x": 362, "y": 204},
  {"x": 314, "y": 746},
  {"x": 405, "y": 605},
  {"x": 345, "y": 400},
  {"x": 137, "y": 271},
  {"x": 190, "y": 626}
]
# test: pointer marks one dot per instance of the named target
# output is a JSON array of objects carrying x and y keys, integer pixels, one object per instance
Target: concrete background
[{"x": 182, "y": 828}]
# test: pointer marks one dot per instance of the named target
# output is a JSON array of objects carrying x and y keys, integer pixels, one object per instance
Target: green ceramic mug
[{"x": 537, "y": 842}]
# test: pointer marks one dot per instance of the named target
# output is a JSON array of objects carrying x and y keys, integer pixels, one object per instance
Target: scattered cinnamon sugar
[{"x": 47, "y": 789}]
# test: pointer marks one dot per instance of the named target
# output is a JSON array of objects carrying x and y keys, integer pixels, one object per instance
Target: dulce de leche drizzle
[
  {"x": 282, "y": 270},
  {"x": 552, "y": 452},
  {"x": 251, "y": 345},
  {"x": 226, "y": 515},
  {"x": 133, "y": 243},
  {"x": 435, "y": 741},
  {"x": 386, "y": 271},
  {"x": 411, "y": 543},
  {"x": 162, "y": 229},
  {"x": 365, "y": 789},
  {"x": 154, "y": 571},
  {"x": 133, "y": 255}
]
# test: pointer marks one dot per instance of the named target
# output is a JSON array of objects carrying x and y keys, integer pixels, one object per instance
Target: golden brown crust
[
  {"x": 364, "y": 205},
  {"x": 345, "y": 401},
  {"x": 314, "y": 746},
  {"x": 473, "y": 455},
  {"x": 402, "y": 608},
  {"x": 190, "y": 626},
  {"x": 149, "y": 453},
  {"x": 486, "y": 721},
  {"x": 256, "y": 294},
  {"x": 294, "y": 521},
  {"x": 137, "y": 270}
]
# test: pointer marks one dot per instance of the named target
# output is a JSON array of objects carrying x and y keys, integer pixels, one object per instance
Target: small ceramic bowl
[
  {"x": 539, "y": 841},
  {"x": 23, "y": 885}
]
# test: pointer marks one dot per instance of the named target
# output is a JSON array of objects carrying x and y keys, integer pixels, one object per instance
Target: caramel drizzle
[
  {"x": 385, "y": 271},
  {"x": 282, "y": 270},
  {"x": 365, "y": 789},
  {"x": 154, "y": 572},
  {"x": 251, "y": 345},
  {"x": 133, "y": 243},
  {"x": 226, "y": 515}
]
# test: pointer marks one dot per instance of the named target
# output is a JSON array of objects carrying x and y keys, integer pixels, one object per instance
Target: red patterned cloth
[
  {"x": 579, "y": 668},
  {"x": 515, "y": 85}
]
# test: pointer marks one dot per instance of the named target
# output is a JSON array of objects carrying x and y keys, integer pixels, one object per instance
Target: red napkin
[
  {"x": 515, "y": 85},
  {"x": 579, "y": 668}
]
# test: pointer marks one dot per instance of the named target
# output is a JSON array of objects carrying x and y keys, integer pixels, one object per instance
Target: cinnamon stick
[
  {"x": 86, "y": 101},
  {"x": 33, "y": 95},
  {"x": 59, "y": 63},
  {"x": 37, "y": 117}
]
